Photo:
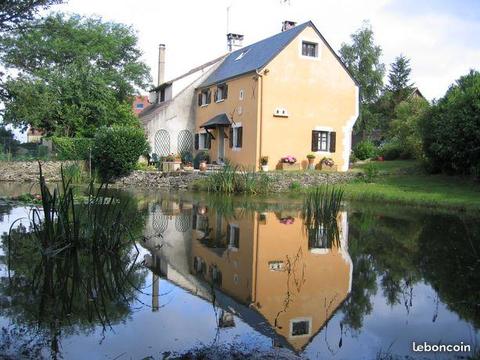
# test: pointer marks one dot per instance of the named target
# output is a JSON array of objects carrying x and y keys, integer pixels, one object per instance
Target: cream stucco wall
[{"x": 317, "y": 93}]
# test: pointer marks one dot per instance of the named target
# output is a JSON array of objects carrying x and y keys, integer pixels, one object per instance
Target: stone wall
[
  {"x": 28, "y": 171},
  {"x": 158, "y": 179}
]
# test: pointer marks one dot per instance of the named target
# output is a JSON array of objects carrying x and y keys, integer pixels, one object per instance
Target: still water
[{"x": 231, "y": 277}]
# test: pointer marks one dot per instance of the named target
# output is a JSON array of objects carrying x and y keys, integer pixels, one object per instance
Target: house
[
  {"x": 169, "y": 121},
  {"x": 289, "y": 94},
  {"x": 34, "y": 135},
  {"x": 139, "y": 103}
]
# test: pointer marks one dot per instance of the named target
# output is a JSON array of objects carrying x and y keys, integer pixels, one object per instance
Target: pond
[{"x": 237, "y": 278}]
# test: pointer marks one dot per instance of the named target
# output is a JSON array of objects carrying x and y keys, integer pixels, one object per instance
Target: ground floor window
[
  {"x": 323, "y": 141},
  {"x": 236, "y": 137},
  {"x": 202, "y": 141}
]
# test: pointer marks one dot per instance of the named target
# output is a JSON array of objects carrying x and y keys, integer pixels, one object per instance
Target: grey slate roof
[
  {"x": 257, "y": 55},
  {"x": 218, "y": 120}
]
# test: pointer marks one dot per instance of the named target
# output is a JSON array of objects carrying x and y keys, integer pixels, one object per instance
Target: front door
[{"x": 221, "y": 145}]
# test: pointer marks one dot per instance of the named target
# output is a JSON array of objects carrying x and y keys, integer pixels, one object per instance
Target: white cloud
[{"x": 441, "y": 46}]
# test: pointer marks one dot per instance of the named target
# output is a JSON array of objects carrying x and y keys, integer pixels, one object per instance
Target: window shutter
[
  {"x": 194, "y": 218},
  {"x": 239, "y": 136},
  {"x": 228, "y": 233},
  {"x": 314, "y": 140},
  {"x": 237, "y": 237},
  {"x": 199, "y": 99},
  {"x": 333, "y": 140},
  {"x": 225, "y": 91},
  {"x": 215, "y": 96},
  {"x": 209, "y": 141},
  {"x": 230, "y": 137},
  {"x": 209, "y": 96},
  {"x": 197, "y": 139}
]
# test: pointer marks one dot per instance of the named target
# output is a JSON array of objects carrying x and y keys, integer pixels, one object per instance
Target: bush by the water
[
  {"x": 116, "y": 151},
  {"x": 233, "y": 179},
  {"x": 365, "y": 150},
  {"x": 451, "y": 128},
  {"x": 72, "y": 148}
]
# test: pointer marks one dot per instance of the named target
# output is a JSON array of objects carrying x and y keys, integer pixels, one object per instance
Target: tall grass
[
  {"x": 234, "y": 179},
  {"x": 320, "y": 211}
]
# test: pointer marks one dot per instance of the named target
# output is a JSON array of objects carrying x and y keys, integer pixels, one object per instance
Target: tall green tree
[
  {"x": 74, "y": 74},
  {"x": 399, "y": 75},
  {"x": 16, "y": 13},
  {"x": 362, "y": 58}
]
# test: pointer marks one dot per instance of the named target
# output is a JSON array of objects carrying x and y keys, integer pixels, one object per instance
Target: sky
[{"x": 441, "y": 37}]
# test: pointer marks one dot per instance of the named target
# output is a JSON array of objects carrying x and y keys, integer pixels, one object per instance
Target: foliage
[
  {"x": 116, "y": 151},
  {"x": 264, "y": 160},
  {"x": 16, "y": 13},
  {"x": 399, "y": 76},
  {"x": 294, "y": 186},
  {"x": 233, "y": 179},
  {"x": 405, "y": 129},
  {"x": 362, "y": 58},
  {"x": 8, "y": 142},
  {"x": 79, "y": 76},
  {"x": 288, "y": 159},
  {"x": 370, "y": 171},
  {"x": 145, "y": 167},
  {"x": 365, "y": 150},
  {"x": 311, "y": 156},
  {"x": 391, "y": 150},
  {"x": 75, "y": 173},
  {"x": 72, "y": 148},
  {"x": 450, "y": 130},
  {"x": 201, "y": 156}
]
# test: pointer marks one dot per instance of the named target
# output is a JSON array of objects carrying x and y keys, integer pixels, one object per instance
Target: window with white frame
[
  {"x": 221, "y": 92},
  {"x": 323, "y": 140},
  {"x": 300, "y": 327},
  {"x": 204, "y": 97},
  {"x": 202, "y": 141},
  {"x": 309, "y": 49},
  {"x": 233, "y": 236},
  {"x": 236, "y": 136}
]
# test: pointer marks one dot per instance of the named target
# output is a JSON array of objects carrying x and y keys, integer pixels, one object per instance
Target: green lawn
[{"x": 404, "y": 182}]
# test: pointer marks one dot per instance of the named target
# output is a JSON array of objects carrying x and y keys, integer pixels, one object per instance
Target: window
[
  {"x": 323, "y": 141},
  {"x": 236, "y": 136},
  {"x": 241, "y": 95},
  {"x": 309, "y": 49},
  {"x": 204, "y": 97},
  {"x": 318, "y": 238},
  {"x": 276, "y": 265},
  {"x": 162, "y": 95},
  {"x": 139, "y": 106},
  {"x": 299, "y": 328},
  {"x": 221, "y": 92},
  {"x": 233, "y": 236},
  {"x": 203, "y": 141}
]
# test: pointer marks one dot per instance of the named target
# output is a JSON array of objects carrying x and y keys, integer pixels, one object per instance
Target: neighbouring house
[
  {"x": 139, "y": 103},
  {"x": 34, "y": 135},
  {"x": 169, "y": 121},
  {"x": 289, "y": 94}
]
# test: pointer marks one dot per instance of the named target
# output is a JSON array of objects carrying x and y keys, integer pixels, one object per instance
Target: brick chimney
[
  {"x": 234, "y": 41},
  {"x": 161, "y": 64},
  {"x": 287, "y": 25}
]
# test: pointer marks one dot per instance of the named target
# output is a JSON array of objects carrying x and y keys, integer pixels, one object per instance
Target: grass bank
[{"x": 404, "y": 182}]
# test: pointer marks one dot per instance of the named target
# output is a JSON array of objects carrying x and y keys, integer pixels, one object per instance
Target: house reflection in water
[{"x": 267, "y": 261}]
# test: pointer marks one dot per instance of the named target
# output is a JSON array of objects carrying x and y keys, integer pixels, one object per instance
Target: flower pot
[
  {"x": 264, "y": 167},
  {"x": 311, "y": 163},
  {"x": 169, "y": 166},
  {"x": 290, "y": 167},
  {"x": 202, "y": 166}
]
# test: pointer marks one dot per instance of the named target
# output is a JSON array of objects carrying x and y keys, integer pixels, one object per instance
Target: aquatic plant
[{"x": 234, "y": 179}]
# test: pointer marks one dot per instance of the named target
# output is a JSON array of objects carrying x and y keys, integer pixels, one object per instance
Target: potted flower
[
  {"x": 289, "y": 162},
  {"x": 311, "y": 159},
  {"x": 171, "y": 162},
  {"x": 328, "y": 164},
  {"x": 264, "y": 163},
  {"x": 204, "y": 157},
  {"x": 188, "y": 166}
]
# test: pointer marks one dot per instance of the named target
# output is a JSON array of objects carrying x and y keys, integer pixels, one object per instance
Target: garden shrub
[
  {"x": 365, "y": 149},
  {"x": 116, "y": 150},
  {"x": 72, "y": 148},
  {"x": 371, "y": 172},
  {"x": 391, "y": 151},
  {"x": 451, "y": 128}
]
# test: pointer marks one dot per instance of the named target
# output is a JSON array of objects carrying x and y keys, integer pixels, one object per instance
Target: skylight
[{"x": 242, "y": 54}]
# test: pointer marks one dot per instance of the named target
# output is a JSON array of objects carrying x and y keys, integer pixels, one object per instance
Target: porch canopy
[{"x": 220, "y": 120}]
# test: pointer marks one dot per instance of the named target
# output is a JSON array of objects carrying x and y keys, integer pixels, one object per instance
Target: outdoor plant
[
  {"x": 294, "y": 185},
  {"x": 365, "y": 150},
  {"x": 311, "y": 156},
  {"x": 264, "y": 160},
  {"x": 116, "y": 151},
  {"x": 288, "y": 159},
  {"x": 371, "y": 172},
  {"x": 327, "y": 161},
  {"x": 234, "y": 179}
]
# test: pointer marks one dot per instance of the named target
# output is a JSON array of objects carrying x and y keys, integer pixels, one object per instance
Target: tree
[
  {"x": 362, "y": 58},
  {"x": 15, "y": 13},
  {"x": 450, "y": 130},
  {"x": 75, "y": 75},
  {"x": 399, "y": 75}
]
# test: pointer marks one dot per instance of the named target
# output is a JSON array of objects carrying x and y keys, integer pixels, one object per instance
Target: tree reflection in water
[{"x": 73, "y": 268}]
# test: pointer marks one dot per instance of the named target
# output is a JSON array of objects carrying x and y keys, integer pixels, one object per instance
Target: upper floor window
[
  {"x": 139, "y": 106},
  {"x": 309, "y": 49},
  {"x": 221, "y": 92},
  {"x": 241, "y": 95},
  {"x": 204, "y": 97}
]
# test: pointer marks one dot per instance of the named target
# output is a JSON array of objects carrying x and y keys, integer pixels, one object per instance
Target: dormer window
[
  {"x": 221, "y": 92},
  {"x": 309, "y": 49},
  {"x": 204, "y": 97}
]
